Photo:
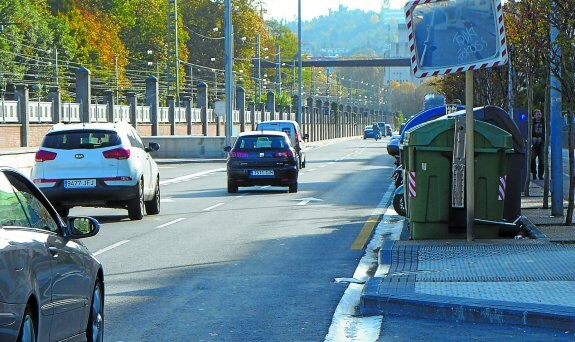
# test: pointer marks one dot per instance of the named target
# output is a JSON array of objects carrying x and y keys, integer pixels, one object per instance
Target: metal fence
[{"x": 43, "y": 112}]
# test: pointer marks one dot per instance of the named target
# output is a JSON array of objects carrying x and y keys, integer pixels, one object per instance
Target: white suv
[{"x": 98, "y": 165}]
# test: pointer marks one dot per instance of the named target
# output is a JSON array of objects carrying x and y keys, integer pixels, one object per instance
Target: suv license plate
[
  {"x": 262, "y": 172},
  {"x": 79, "y": 183}
]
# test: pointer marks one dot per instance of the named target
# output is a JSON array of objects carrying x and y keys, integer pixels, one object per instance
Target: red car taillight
[
  {"x": 42, "y": 155},
  {"x": 238, "y": 154},
  {"x": 117, "y": 153},
  {"x": 283, "y": 154}
]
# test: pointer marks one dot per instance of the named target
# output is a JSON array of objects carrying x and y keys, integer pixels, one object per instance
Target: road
[{"x": 259, "y": 265}]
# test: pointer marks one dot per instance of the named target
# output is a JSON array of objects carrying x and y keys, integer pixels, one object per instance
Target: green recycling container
[{"x": 428, "y": 159}]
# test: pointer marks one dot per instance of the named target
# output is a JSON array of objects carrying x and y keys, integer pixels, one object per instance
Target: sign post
[{"x": 449, "y": 36}]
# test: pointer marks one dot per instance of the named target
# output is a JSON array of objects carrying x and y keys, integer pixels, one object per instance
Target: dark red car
[{"x": 262, "y": 158}]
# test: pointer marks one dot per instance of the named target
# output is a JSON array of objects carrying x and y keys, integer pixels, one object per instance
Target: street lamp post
[
  {"x": 278, "y": 71},
  {"x": 259, "y": 70},
  {"x": 228, "y": 70}
]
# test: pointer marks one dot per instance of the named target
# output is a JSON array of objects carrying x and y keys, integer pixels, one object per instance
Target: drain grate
[{"x": 483, "y": 263}]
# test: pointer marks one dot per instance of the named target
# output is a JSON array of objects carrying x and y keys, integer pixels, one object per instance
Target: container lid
[{"x": 438, "y": 134}]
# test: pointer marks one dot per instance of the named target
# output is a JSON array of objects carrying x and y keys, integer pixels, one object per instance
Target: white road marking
[
  {"x": 346, "y": 325},
  {"x": 304, "y": 201},
  {"x": 213, "y": 206},
  {"x": 170, "y": 223},
  {"x": 188, "y": 177},
  {"x": 166, "y": 200},
  {"x": 117, "y": 244}
]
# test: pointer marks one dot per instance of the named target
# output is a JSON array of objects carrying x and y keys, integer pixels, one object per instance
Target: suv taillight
[
  {"x": 117, "y": 153},
  {"x": 42, "y": 156}
]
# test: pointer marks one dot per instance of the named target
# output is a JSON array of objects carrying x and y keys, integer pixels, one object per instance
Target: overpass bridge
[{"x": 340, "y": 62}]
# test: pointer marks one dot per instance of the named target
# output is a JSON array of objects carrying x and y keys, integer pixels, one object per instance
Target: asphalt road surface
[{"x": 259, "y": 265}]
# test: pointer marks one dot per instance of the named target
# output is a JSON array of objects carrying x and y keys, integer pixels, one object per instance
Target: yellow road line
[{"x": 365, "y": 233}]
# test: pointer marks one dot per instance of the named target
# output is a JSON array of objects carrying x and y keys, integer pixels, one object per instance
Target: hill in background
[{"x": 346, "y": 32}]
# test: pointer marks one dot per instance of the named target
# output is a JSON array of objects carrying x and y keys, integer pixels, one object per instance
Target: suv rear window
[
  {"x": 250, "y": 143},
  {"x": 70, "y": 140}
]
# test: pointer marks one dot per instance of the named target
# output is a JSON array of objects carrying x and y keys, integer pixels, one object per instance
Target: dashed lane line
[
  {"x": 213, "y": 206},
  {"x": 117, "y": 244},
  {"x": 189, "y": 177},
  {"x": 170, "y": 223}
]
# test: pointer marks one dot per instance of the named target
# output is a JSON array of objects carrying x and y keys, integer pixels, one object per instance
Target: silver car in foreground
[{"x": 51, "y": 287}]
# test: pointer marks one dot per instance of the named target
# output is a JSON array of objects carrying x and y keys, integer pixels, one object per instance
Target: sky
[{"x": 288, "y": 9}]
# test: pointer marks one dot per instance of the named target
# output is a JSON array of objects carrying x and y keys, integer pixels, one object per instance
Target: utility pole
[
  {"x": 172, "y": 67},
  {"x": 117, "y": 92},
  {"x": 56, "y": 76},
  {"x": 259, "y": 70},
  {"x": 278, "y": 72},
  {"x": 228, "y": 69},
  {"x": 300, "y": 88}
]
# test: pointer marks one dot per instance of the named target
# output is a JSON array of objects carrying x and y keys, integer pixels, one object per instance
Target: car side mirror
[
  {"x": 227, "y": 149},
  {"x": 153, "y": 147},
  {"x": 82, "y": 226}
]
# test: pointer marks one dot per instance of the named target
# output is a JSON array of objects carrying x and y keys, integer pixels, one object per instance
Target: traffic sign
[{"x": 450, "y": 36}]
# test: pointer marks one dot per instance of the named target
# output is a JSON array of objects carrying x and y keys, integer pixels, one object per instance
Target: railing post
[
  {"x": 252, "y": 107},
  {"x": 241, "y": 106},
  {"x": 83, "y": 93},
  {"x": 23, "y": 96},
  {"x": 152, "y": 102},
  {"x": 133, "y": 105},
  {"x": 187, "y": 102},
  {"x": 312, "y": 122},
  {"x": 171, "y": 114},
  {"x": 55, "y": 97},
  {"x": 203, "y": 104},
  {"x": 109, "y": 101},
  {"x": 271, "y": 104}
]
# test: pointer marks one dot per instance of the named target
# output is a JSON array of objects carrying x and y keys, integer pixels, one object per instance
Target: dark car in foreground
[
  {"x": 51, "y": 287},
  {"x": 262, "y": 158}
]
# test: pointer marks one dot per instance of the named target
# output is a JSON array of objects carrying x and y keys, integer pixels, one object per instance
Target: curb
[{"x": 463, "y": 310}]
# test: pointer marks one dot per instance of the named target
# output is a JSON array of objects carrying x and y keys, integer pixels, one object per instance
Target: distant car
[
  {"x": 98, "y": 165},
  {"x": 52, "y": 288},
  {"x": 388, "y": 131},
  {"x": 262, "y": 158},
  {"x": 393, "y": 145},
  {"x": 368, "y": 132},
  {"x": 292, "y": 129}
]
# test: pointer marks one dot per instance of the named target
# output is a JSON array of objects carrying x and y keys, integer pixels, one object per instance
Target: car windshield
[
  {"x": 70, "y": 140},
  {"x": 261, "y": 142}
]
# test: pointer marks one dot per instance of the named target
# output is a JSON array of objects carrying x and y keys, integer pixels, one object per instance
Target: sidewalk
[{"x": 527, "y": 282}]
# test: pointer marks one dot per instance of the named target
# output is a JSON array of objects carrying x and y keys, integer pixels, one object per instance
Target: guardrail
[{"x": 43, "y": 112}]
